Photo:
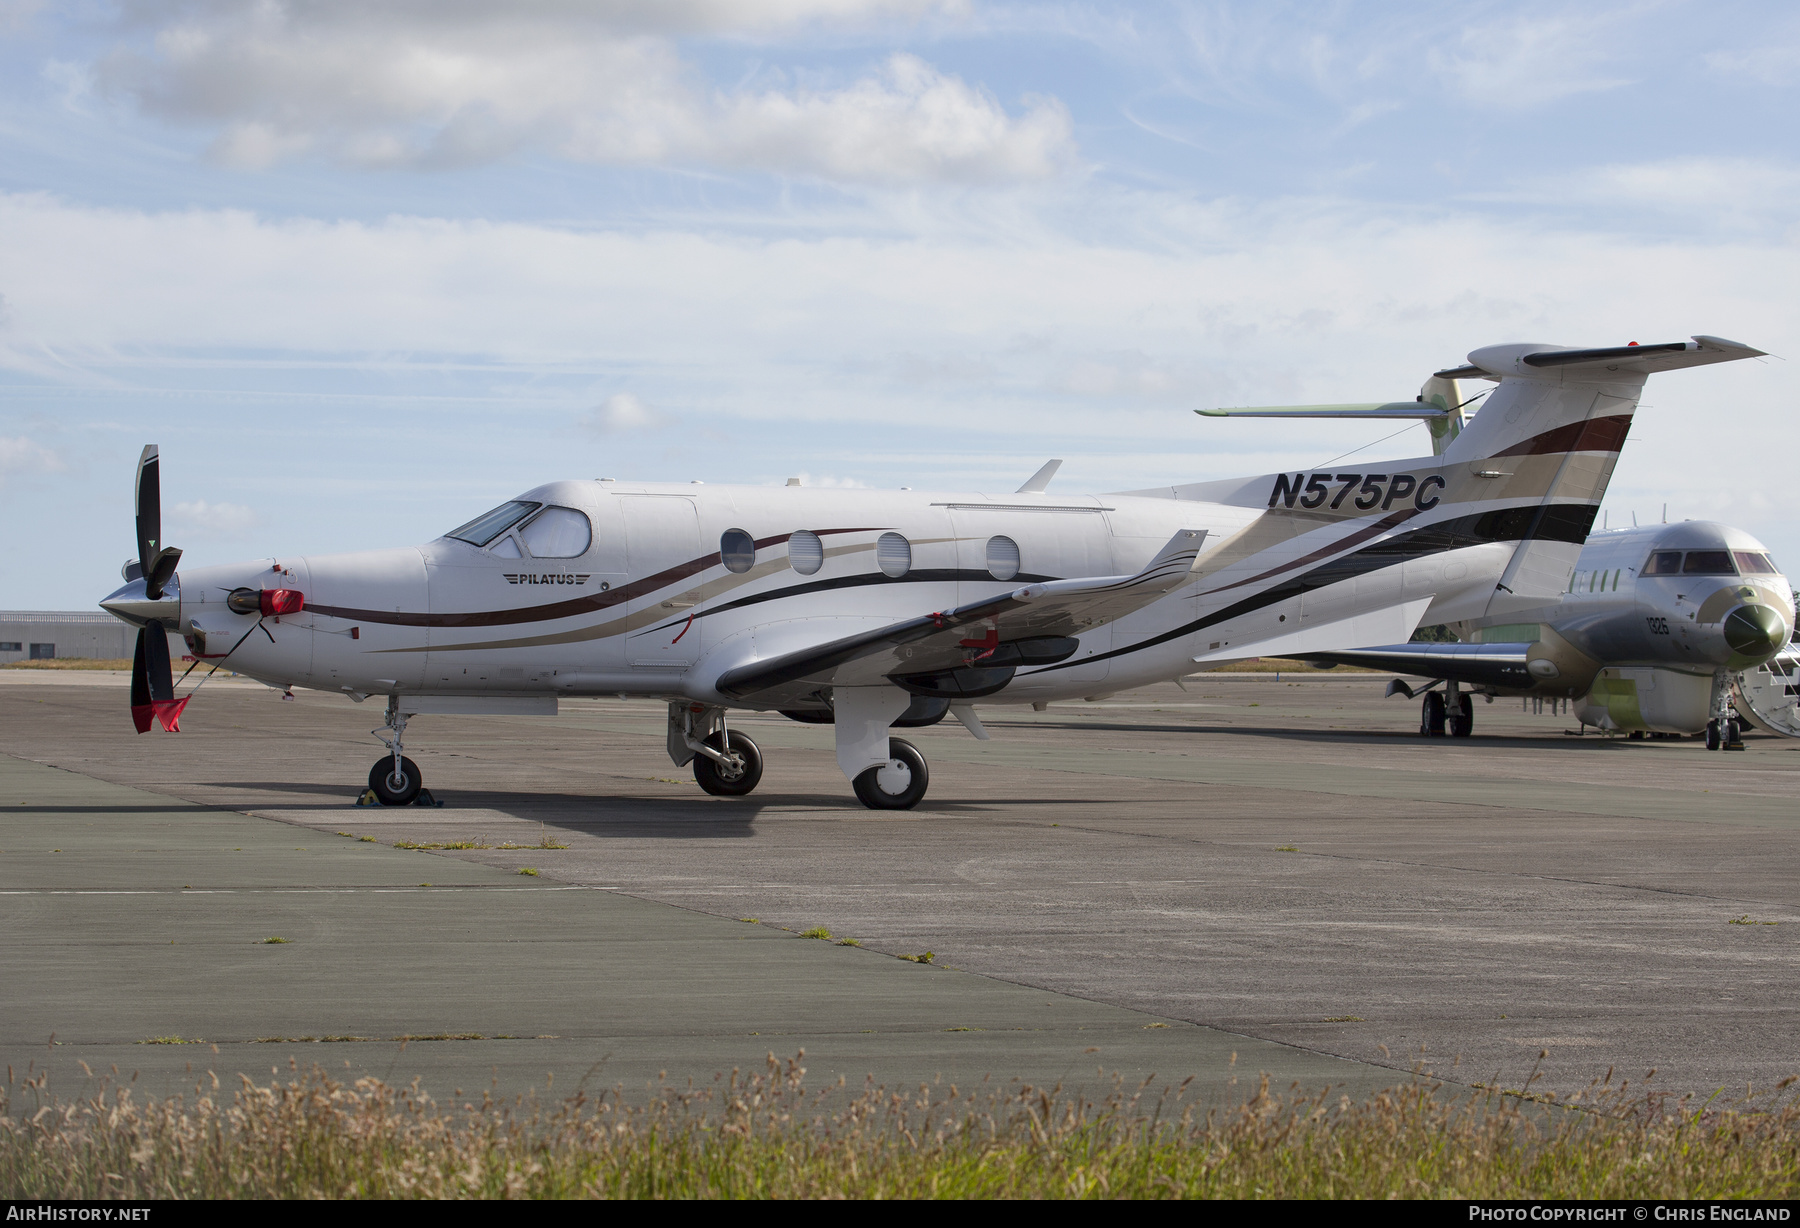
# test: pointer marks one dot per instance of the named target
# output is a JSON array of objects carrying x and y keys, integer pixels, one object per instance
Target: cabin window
[
  {"x": 484, "y": 529},
  {"x": 1754, "y": 563},
  {"x": 737, "y": 550},
  {"x": 806, "y": 553},
  {"x": 1708, "y": 563},
  {"x": 558, "y": 533},
  {"x": 1002, "y": 558},
  {"x": 893, "y": 554},
  {"x": 1664, "y": 563}
]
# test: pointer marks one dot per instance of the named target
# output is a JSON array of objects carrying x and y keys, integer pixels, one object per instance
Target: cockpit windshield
[
  {"x": 1755, "y": 563},
  {"x": 484, "y": 529}
]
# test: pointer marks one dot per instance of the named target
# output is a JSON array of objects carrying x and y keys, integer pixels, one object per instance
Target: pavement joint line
[{"x": 391, "y": 890}]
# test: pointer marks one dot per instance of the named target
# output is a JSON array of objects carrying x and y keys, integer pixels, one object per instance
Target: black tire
[
  {"x": 1734, "y": 735},
  {"x": 1462, "y": 721},
  {"x": 1712, "y": 735},
  {"x": 385, "y": 789},
  {"x": 1431, "y": 715},
  {"x": 868, "y": 785},
  {"x": 719, "y": 780}
]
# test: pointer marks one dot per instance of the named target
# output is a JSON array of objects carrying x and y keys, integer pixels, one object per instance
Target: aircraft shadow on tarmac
[
  {"x": 1371, "y": 736},
  {"x": 617, "y": 815}
]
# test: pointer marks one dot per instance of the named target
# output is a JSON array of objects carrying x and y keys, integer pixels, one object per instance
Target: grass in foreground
[{"x": 765, "y": 1136}]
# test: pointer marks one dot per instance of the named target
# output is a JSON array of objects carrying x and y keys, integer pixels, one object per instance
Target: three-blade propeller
[{"x": 152, "y": 680}]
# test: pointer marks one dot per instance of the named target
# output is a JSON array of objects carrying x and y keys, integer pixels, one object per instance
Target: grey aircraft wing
[{"x": 1499, "y": 665}]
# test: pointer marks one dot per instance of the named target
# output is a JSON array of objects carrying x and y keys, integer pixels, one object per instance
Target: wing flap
[{"x": 1372, "y": 626}]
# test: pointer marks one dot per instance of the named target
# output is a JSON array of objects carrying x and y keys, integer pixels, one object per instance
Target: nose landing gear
[{"x": 395, "y": 780}]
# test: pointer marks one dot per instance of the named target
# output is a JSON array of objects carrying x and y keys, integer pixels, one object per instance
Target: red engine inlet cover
[{"x": 282, "y": 601}]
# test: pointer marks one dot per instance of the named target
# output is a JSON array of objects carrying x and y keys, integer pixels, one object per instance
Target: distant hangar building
[{"x": 43, "y": 635}]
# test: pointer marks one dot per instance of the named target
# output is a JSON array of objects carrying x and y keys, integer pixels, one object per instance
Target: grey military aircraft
[{"x": 876, "y": 609}]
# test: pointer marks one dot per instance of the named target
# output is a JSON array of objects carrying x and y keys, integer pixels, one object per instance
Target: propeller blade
[
  {"x": 149, "y": 511},
  {"x": 152, "y": 682},
  {"x": 140, "y": 685}
]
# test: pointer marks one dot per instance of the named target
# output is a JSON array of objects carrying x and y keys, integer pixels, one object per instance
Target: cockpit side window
[
  {"x": 558, "y": 533},
  {"x": 1754, "y": 563},
  {"x": 1664, "y": 563},
  {"x": 484, "y": 529},
  {"x": 1708, "y": 563}
]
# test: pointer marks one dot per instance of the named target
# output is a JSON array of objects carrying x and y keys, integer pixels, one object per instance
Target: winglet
[
  {"x": 1040, "y": 481},
  {"x": 1177, "y": 559}
]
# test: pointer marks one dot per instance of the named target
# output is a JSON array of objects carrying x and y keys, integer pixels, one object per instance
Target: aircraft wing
[
  {"x": 1033, "y": 625},
  {"x": 1502, "y": 665}
]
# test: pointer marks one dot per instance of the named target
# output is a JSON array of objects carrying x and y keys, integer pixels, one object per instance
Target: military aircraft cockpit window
[
  {"x": 484, "y": 529},
  {"x": 893, "y": 554},
  {"x": 1708, "y": 563},
  {"x": 1664, "y": 563},
  {"x": 737, "y": 550},
  {"x": 1002, "y": 558},
  {"x": 806, "y": 553},
  {"x": 558, "y": 533},
  {"x": 1754, "y": 563}
]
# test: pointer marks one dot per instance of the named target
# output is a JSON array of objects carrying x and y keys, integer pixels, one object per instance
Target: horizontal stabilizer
[
  {"x": 1395, "y": 622},
  {"x": 1373, "y": 409}
]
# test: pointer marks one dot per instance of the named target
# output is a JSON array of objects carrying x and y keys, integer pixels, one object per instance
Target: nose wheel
[
  {"x": 898, "y": 784},
  {"x": 395, "y": 785}
]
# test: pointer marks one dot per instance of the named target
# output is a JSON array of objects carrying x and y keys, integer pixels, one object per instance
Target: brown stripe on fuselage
[{"x": 572, "y": 608}]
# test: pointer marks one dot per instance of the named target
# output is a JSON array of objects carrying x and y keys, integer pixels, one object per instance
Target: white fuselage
[{"x": 650, "y": 608}]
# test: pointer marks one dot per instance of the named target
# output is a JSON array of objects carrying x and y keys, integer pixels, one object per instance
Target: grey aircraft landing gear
[
  {"x": 1723, "y": 731},
  {"x": 395, "y": 780},
  {"x": 1431, "y": 715},
  {"x": 1462, "y": 714},
  {"x": 898, "y": 784}
]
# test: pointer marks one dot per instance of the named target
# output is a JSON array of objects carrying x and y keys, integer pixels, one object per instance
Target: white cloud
[
  {"x": 1713, "y": 191},
  {"x": 1533, "y": 58},
  {"x": 623, "y": 412},
  {"x": 22, "y": 456},
  {"x": 460, "y": 84},
  {"x": 214, "y": 519},
  {"x": 1776, "y": 62}
]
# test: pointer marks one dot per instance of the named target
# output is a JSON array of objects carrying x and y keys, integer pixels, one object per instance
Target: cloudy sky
[{"x": 363, "y": 270}]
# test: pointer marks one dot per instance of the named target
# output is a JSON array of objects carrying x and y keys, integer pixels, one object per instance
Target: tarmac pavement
[{"x": 1277, "y": 869}]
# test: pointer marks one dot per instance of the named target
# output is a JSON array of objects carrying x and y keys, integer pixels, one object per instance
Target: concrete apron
[{"x": 132, "y": 917}]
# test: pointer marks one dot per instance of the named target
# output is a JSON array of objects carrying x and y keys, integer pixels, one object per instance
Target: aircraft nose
[{"x": 1755, "y": 631}]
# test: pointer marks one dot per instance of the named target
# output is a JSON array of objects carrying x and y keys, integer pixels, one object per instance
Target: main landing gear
[
  {"x": 395, "y": 780},
  {"x": 726, "y": 763},
  {"x": 898, "y": 784},
  {"x": 1453, "y": 714}
]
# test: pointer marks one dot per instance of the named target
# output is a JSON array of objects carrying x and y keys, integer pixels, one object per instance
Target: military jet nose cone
[{"x": 1755, "y": 631}]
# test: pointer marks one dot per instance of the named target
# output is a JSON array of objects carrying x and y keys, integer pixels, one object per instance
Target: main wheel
[
  {"x": 722, "y": 781},
  {"x": 1431, "y": 715},
  {"x": 1712, "y": 735},
  {"x": 1462, "y": 721},
  {"x": 391, "y": 790},
  {"x": 883, "y": 788},
  {"x": 1733, "y": 735}
]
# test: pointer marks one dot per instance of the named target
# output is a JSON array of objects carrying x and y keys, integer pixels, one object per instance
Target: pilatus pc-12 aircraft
[{"x": 869, "y": 609}]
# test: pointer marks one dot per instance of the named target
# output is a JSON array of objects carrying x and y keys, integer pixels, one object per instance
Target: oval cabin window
[
  {"x": 806, "y": 553},
  {"x": 737, "y": 550},
  {"x": 1002, "y": 558},
  {"x": 893, "y": 554}
]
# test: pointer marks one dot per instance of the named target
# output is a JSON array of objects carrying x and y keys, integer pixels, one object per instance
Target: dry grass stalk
[{"x": 765, "y": 1135}]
